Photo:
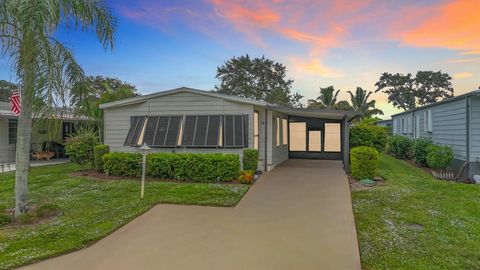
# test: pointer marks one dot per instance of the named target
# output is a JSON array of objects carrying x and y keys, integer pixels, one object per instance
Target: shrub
[
  {"x": 400, "y": 146},
  {"x": 98, "y": 153},
  {"x": 246, "y": 177},
  {"x": 364, "y": 162},
  {"x": 250, "y": 159},
  {"x": 439, "y": 156},
  {"x": 123, "y": 164},
  {"x": 179, "y": 166},
  {"x": 364, "y": 134},
  {"x": 79, "y": 147},
  {"x": 419, "y": 150},
  {"x": 5, "y": 218},
  {"x": 46, "y": 210}
]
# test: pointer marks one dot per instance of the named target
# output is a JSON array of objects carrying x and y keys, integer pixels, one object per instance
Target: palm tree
[
  {"x": 326, "y": 100},
  {"x": 361, "y": 104},
  {"x": 42, "y": 63}
]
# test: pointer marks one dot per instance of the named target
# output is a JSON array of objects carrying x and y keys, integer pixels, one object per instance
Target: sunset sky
[{"x": 346, "y": 43}]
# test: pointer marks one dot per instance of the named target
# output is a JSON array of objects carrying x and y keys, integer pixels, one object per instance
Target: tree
[
  {"x": 405, "y": 91},
  {"x": 361, "y": 104},
  {"x": 343, "y": 105},
  {"x": 6, "y": 89},
  {"x": 42, "y": 63},
  {"x": 87, "y": 97},
  {"x": 257, "y": 78},
  {"x": 326, "y": 100}
]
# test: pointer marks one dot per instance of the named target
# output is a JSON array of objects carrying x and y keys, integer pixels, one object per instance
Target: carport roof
[{"x": 317, "y": 113}]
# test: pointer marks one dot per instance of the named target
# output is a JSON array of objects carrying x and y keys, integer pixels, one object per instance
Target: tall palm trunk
[{"x": 24, "y": 131}]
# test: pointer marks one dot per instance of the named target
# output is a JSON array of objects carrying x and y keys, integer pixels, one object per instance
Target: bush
[
  {"x": 250, "y": 159},
  {"x": 123, "y": 164},
  {"x": 246, "y": 177},
  {"x": 194, "y": 167},
  {"x": 179, "y": 166},
  {"x": 419, "y": 150},
  {"x": 364, "y": 162},
  {"x": 439, "y": 156},
  {"x": 5, "y": 218},
  {"x": 400, "y": 146},
  {"x": 364, "y": 134},
  {"x": 79, "y": 147},
  {"x": 98, "y": 153}
]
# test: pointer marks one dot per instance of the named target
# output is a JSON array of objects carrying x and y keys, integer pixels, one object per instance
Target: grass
[
  {"x": 91, "y": 209},
  {"x": 417, "y": 222}
]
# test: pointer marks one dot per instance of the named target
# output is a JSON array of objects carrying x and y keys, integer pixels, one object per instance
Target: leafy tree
[
  {"x": 406, "y": 91},
  {"x": 361, "y": 104},
  {"x": 42, "y": 63},
  {"x": 343, "y": 105},
  {"x": 88, "y": 95},
  {"x": 257, "y": 78},
  {"x": 6, "y": 89},
  {"x": 326, "y": 100}
]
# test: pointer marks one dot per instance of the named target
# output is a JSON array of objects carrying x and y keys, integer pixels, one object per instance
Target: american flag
[{"x": 15, "y": 102}]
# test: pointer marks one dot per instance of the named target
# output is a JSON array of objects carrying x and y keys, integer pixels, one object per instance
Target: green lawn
[
  {"x": 417, "y": 222},
  {"x": 91, "y": 209}
]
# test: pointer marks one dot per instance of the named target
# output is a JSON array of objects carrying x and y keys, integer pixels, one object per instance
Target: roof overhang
[
  {"x": 8, "y": 114},
  {"x": 315, "y": 113}
]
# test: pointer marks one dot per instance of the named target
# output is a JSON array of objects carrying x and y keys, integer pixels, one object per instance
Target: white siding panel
[{"x": 7, "y": 151}]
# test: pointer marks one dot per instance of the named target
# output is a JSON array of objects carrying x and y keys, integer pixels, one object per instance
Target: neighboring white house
[
  {"x": 190, "y": 120},
  {"x": 454, "y": 122}
]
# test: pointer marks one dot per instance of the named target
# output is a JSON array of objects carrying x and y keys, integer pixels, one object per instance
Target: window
[
  {"x": 315, "y": 140},
  {"x": 332, "y": 137},
  {"x": 202, "y": 131},
  {"x": 163, "y": 131},
  {"x": 428, "y": 121},
  {"x": 235, "y": 131},
  {"x": 12, "y": 131},
  {"x": 137, "y": 128},
  {"x": 298, "y": 140},
  {"x": 403, "y": 125},
  {"x": 256, "y": 127},
  {"x": 285, "y": 131},
  {"x": 278, "y": 131}
]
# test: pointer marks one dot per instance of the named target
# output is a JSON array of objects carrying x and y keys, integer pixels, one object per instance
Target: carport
[{"x": 318, "y": 134}]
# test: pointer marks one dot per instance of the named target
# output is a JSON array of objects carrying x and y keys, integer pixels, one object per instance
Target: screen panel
[
  {"x": 136, "y": 127},
  {"x": 298, "y": 136},
  {"x": 333, "y": 137},
  {"x": 315, "y": 140}
]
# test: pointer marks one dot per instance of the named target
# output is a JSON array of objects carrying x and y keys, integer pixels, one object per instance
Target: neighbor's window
[
  {"x": 12, "y": 131},
  {"x": 285, "y": 131},
  {"x": 278, "y": 131},
  {"x": 332, "y": 137},
  {"x": 256, "y": 127},
  {"x": 298, "y": 140}
]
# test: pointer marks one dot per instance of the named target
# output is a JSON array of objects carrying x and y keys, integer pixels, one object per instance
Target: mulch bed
[{"x": 98, "y": 176}]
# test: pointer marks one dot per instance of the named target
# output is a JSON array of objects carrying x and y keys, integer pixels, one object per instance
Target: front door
[{"x": 315, "y": 138}]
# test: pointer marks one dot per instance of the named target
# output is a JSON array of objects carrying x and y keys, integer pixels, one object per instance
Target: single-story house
[
  {"x": 384, "y": 123},
  {"x": 454, "y": 122},
  {"x": 42, "y": 138},
  {"x": 191, "y": 120}
]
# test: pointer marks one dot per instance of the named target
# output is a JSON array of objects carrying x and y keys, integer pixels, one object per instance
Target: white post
[
  {"x": 144, "y": 163},
  {"x": 145, "y": 150}
]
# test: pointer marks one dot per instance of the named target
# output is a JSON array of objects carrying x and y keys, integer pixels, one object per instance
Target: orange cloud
[
  {"x": 314, "y": 66},
  {"x": 455, "y": 26},
  {"x": 462, "y": 75}
]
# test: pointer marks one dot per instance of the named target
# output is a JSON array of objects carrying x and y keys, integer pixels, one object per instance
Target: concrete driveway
[{"x": 298, "y": 216}]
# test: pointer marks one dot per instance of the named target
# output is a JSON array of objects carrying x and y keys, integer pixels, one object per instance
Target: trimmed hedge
[
  {"x": 179, "y": 166},
  {"x": 439, "y": 156},
  {"x": 123, "y": 164},
  {"x": 364, "y": 162},
  {"x": 400, "y": 146},
  {"x": 98, "y": 152},
  {"x": 250, "y": 159},
  {"x": 419, "y": 150},
  {"x": 368, "y": 135}
]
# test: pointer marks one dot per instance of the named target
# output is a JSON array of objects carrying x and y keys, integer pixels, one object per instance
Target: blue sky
[{"x": 166, "y": 44}]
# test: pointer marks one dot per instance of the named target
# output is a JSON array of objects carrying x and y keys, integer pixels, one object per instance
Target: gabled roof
[
  {"x": 330, "y": 114},
  {"x": 144, "y": 98},
  {"x": 466, "y": 95}
]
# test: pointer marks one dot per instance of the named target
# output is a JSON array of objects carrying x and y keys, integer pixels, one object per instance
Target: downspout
[
  {"x": 266, "y": 142},
  {"x": 467, "y": 143}
]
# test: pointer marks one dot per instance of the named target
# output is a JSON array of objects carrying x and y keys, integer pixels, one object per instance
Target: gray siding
[
  {"x": 117, "y": 119},
  {"x": 7, "y": 151},
  {"x": 276, "y": 154},
  {"x": 475, "y": 129}
]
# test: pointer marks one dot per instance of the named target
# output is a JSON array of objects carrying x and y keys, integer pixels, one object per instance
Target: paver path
[{"x": 298, "y": 216}]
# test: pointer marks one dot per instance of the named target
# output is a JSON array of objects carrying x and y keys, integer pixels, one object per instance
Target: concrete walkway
[{"x": 299, "y": 216}]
